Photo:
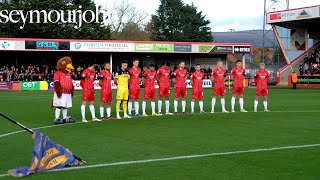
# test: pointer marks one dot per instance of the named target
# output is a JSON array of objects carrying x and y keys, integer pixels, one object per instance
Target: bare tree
[{"x": 123, "y": 14}]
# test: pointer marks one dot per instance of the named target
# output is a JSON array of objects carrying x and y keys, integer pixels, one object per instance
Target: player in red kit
[
  {"x": 218, "y": 77},
  {"x": 262, "y": 78},
  {"x": 197, "y": 92},
  {"x": 148, "y": 79},
  {"x": 238, "y": 74},
  {"x": 163, "y": 79},
  {"x": 87, "y": 83},
  {"x": 179, "y": 79},
  {"x": 106, "y": 92},
  {"x": 134, "y": 87}
]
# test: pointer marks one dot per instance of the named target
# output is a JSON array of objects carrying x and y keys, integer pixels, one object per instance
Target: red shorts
[
  {"x": 219, "y": 91},
  {"x": 150, "y": 93},
  {"x": 87, "y": 95},
  {"x": 134, "y": 93},
  {"x": 164, "y": 91},
  {"x": 196, "y": 94},
  {"x": 238, "y": 90},
  {"x": 106, "y": 96},
  {"x": 262, "y": 92},
  {"x": 181, "y": 91}
]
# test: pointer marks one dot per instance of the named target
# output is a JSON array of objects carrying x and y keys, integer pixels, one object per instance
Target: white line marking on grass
[
  {"x": 53, "y": 126},
  {"x": 183, "y": 157},
  {"x": 43, "y": 127}
]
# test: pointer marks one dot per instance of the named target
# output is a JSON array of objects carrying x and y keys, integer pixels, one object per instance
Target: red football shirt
[
  {"x": 196, "y": 79},
  {"x": 65, "y": 81},
  {"x": 106, "y": 78},
  {"x": 180, "y": 75},
  {"x": 219, "y": 77},
  {"x": 262, "y": 78},
  {"x": 134, "y": 82},
  {"x": 89, "y": 78},
  {"x": 149, "y": 79},
  {"x": 238, "y": 75},
  {"x": 164, "y": 77}
]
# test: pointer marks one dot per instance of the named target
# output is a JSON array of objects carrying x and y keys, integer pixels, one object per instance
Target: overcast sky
[{"x": 223, "y": 14}]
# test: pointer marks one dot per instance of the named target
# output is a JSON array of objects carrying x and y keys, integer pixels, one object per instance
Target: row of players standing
[{"x": 128, "y": 81}]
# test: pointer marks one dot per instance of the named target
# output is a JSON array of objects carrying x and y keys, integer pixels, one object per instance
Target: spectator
[
  {"x": 22, "y": 77},
  {"x": 192, "y": 69},
  {"x": 5, "y": 75},
  {"x": 310, "y": 68},
  {"x": 205, "y": 71},
  {"x": 37, "y": 70},
  {"x": 306, "y": 68},
  {"x": 79, "y": 69},
  {"x": 209, "y": 70},
  {"x": 301, "y": 69},
  {"x": 30, "y": 67}
]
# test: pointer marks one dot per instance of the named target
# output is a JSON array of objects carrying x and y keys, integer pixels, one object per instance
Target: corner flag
[{"x": 47, "y": 155}]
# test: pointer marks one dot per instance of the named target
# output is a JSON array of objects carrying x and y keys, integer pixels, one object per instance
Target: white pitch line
[
  {"x": 43, "y": 127},
  {"x": 182, "y": 157},
  {"x": 53, "y": 126}
]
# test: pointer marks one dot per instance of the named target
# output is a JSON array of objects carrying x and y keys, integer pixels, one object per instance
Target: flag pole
[
  {"x": 16, "y": 122},
  {"x": 30, "y": 131}
]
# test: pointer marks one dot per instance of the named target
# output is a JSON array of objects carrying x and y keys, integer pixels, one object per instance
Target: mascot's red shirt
[{"x": 65, "y": 81}]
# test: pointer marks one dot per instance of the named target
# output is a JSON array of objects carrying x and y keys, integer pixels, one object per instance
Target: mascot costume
[{"x": 63, "y": 91}]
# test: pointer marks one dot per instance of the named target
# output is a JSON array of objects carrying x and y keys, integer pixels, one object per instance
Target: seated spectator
[
  {"x": 301, "y": 69},
  {"x": 22, "y": 77},
  {"x": 79, "y": 69},
  {"x": 306, "y": 68},
  {"x": 192, "y": 69},
  {"x": 209, "y": 70},
  {"x": 30, "y": 67},
  {"x": 205, "y": 71}
]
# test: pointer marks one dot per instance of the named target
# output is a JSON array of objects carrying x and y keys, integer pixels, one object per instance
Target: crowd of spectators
[
  {"x": 311, "y": 65},
  {"x": 45, "y": 72}
]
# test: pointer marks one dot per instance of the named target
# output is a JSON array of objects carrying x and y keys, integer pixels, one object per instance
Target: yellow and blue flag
[{"x": 47, "y": 155}]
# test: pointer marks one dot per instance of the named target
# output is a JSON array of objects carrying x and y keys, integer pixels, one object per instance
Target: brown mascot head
[{"x": 65, "y": 64}]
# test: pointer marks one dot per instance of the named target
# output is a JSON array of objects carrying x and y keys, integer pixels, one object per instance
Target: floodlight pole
[
  {"x": 264, "y": 27},
  {"x": 271, "y": 7}
]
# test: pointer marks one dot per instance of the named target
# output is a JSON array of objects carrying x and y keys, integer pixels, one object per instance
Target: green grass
[{"x": 170, "y": 136}]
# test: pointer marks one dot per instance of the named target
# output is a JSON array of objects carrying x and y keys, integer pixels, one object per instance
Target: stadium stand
[{"x": 44, "y": 72}]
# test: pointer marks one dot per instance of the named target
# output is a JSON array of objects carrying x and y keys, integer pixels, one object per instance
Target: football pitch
[{"x": 281, "y": 144}]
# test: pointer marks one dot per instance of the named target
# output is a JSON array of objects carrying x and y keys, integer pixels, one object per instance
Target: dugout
[{"x": 84, "y": 52}]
